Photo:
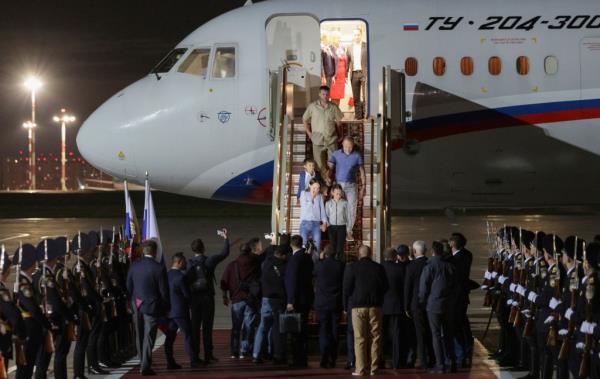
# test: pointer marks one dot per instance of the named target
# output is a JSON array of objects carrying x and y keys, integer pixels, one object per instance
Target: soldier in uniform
[
  {"x": 522, "y": 323},
  {"x": 546, "y": 303},
  {"x": 588, "y": 311},
  {"x": 56, "y": 310},
  {"x": 11, "y": 321},
  {"x": 35, "y": 321},
  {"x": 515, "y": 263}
]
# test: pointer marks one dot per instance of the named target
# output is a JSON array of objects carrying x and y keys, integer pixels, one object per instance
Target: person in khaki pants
[{"x": 365, "y": 282}]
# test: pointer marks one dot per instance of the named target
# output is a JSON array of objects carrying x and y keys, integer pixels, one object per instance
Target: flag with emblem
[
  {"x": 132, "y": 228},
  {"x": 149, "y": 225}
]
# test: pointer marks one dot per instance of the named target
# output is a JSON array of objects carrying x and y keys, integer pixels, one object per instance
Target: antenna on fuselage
[{"x": 248, "y": 2}]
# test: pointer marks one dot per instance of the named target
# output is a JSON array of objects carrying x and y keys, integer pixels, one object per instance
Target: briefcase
[{"x": 290, "y": 322}]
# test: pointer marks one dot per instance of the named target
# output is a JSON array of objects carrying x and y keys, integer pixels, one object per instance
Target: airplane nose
[{"x": 102, "y": 137}]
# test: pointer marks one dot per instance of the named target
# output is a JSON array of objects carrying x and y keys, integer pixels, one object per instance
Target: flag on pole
[
  {"x": 149, "y": 225},
  {"x": 132, "y": 228}
]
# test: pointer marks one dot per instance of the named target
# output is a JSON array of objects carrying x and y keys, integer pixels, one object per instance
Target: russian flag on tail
[
  {"x": 132, "y": 228},
  {"x": 149, "y": 225},
  {"x": 411, "y": 26}
]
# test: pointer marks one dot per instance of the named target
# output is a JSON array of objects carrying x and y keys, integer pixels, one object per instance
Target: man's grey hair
[
  {"x": 364, "y": 251},
  {"x": 420, "y": 247}
]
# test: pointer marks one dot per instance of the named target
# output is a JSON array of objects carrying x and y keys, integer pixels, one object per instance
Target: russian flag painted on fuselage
[{"x": 411, "y": 26}]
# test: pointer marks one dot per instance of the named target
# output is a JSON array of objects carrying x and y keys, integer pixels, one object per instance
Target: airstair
[{"x": 373, "y": 136}]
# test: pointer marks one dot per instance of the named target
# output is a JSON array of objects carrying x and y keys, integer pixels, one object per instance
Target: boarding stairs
[{"x": 373, "y": 138}]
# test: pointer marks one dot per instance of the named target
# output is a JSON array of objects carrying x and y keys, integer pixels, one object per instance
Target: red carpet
[{"x": 236, "y": 368}]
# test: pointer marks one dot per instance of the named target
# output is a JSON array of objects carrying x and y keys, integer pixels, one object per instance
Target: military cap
[
  {"x": 61, "y": 246},
  {"x": 551, "y": 240},
  {"x": 85, "y": 243},
  {"x": 52, "y": 250},
  {"x": 402, "y": 250},
  {"x": 572, "y": 251},
  {"x": 514, "y": 231},
  {"x": 28, "y": 256},
  {"x": 592, "y": 254},
  {"x": 538, "y": 242},
  {"x": 528, "y": 237}
]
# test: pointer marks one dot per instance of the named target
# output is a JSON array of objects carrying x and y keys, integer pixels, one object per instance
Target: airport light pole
[
  {"x": 63, "y": 119},
  {"x": 32, "y": 84}
]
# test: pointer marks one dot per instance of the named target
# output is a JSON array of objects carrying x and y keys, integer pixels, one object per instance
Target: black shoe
[
  {"x": 173, "y": 366},
  {"x": 517, "y": 368},
  {"x": 109, "y": 364},
  {"x": 81, "y": 377},
  {"x": 196, "y": 364},
  {"x": 436, "y": 371},
  {"x": 148, "y": 372},
  {"x": 349, "y": 366},
  {"x": 279, "y": 361},
  {"x": 211, "y": 359},
  {"x": 96, "y": 370},
  {"x": 257, "y": 361},
  {"x": 528, "y": 376}
]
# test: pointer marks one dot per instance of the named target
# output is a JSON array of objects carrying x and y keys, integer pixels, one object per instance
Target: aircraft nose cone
[{"x": 102, "y": 137}]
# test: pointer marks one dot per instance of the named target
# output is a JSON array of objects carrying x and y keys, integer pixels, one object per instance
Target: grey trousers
[{"x": 146, "y": 327}]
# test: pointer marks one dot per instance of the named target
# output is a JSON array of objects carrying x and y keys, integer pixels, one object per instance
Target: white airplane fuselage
[{"x": 478, "y": 140}]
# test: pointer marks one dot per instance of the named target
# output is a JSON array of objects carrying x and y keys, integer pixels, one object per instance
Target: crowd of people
[{"x": 543, "y": 291}]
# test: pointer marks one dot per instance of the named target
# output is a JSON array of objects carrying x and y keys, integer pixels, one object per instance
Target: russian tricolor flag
[
  {"x": 150, "y": 225},
  {"x": 132, "y": 228},
  {"x": 411, "y": 26}
]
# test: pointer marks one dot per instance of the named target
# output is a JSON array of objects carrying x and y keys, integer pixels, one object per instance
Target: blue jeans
[
  {"x": 311, "y": 228},
  {"x": 242, "y": 320},
  {"x": 268, "y": 330}
]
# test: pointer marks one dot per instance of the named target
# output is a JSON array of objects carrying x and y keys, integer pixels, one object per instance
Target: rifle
[
  {"x": 85, "y": 318},
  {"x": 555, "y": 284},
  {"x": 20, "y": 357},
  {"x": 487, "y": 282},
  {"x": 514, "y": 311},
  {"x": 565, "y": 348},
  {"x": 584, "y": 369},
  {"x": 533, "y": 283},
  {"x": 49, "y": 341},
  {"x": 70, "y": 331}
]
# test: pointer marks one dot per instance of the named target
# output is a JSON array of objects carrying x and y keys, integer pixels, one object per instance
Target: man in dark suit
[
  {"x": 462, "y": 259},
  {"x": 358, "y": 65},
  {"x": 180, "y": 313},
  {"x": 201, "y": 278},
  {"x": 328, "y": 304},
  {"x": 413, "y": 309},
  {"x": 437, "y": 292},
  {"x": 148, "y": 287},
  {"x": 300, "y": 296},
  {"x": 393, "y": 308}
]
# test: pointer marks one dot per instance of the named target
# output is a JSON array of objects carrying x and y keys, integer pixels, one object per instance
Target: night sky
[{"x": 84, "y": 51}]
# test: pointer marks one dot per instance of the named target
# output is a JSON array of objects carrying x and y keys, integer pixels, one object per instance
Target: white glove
[
  {"x": 549, "y": 320},
  {"x": 487, "y": 275},
  {"x": 563, "y": 332},
  {"x": 587, "y": 327},
  {"x": 525, "y": 311},
  {"x": 484, "y": 287},
  {"x": 532, "y": 297},
  {"x": 554, "y": 303},
  {"x": 521, "y": 290},
  {"x": 512, "y": 287},
  {"x": 494, "y": 275},
  {"x": 568, "y": 313},
  {"x": 580, "y": 345},
  {"x": 502, "y": 279},
  {"x": 509, "y": 302}
]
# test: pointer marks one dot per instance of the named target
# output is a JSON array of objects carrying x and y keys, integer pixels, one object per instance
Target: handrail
[{"x": 372, "y": 180}]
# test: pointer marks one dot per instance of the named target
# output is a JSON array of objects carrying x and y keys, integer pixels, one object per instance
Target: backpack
[{"x": 201, "y": 278}]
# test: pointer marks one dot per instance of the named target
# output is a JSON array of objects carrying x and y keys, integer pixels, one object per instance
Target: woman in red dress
[{"x": 338, "y": 88}]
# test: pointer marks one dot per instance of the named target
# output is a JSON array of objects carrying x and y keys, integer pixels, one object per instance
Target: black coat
[
  {"x": 179, "y": 294},
  {"x": 329, "y": 276},
  {"x": 462, "y": 260},
  {"x": 411, "y": 283},
  {"x": 147, "y": 281},
  {"x": 366, "y": 283},
  {"x": 438, "y": 286},
  {"x": 298, "y": 280},
  {"x": 393, "y": 300}
]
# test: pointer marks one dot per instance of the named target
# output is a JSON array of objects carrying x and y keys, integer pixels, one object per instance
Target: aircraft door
[{"x": 295, "y": 40}]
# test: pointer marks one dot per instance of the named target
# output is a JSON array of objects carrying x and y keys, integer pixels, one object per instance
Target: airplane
[{"x": 504, "y": 99}]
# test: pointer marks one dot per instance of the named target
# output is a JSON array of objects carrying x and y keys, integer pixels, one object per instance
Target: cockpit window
[
  {"x": 169, "y": 61},
  {"x": 196, "y": 63},
  {"x": 224, "y": 63}
]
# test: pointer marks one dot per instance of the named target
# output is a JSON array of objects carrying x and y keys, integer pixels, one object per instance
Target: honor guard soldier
[
  {"x": 35, "y": 321},
  {"x": 524, "y": 322},
  {"x": 118, "y": 266},
  {"x": 11, "y": 321},
  {"x": 546, "y": 303},
  {"x": 588, "y": 311}
]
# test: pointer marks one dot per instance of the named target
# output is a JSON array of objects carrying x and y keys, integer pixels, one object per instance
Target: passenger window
[
  {"x": 466, "y": 66},
  {"x": 196, "y": 63},
  {"x": 224, "y": 63},
  {"x": 522, "y": 65},
  {"x": 439, "y": 66},
  {"x": 169, "y": 61},
  {"x": 495, "y": 66},
  {"x": 411, "y": 66},
  {"x": 551, "y": 65}
]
